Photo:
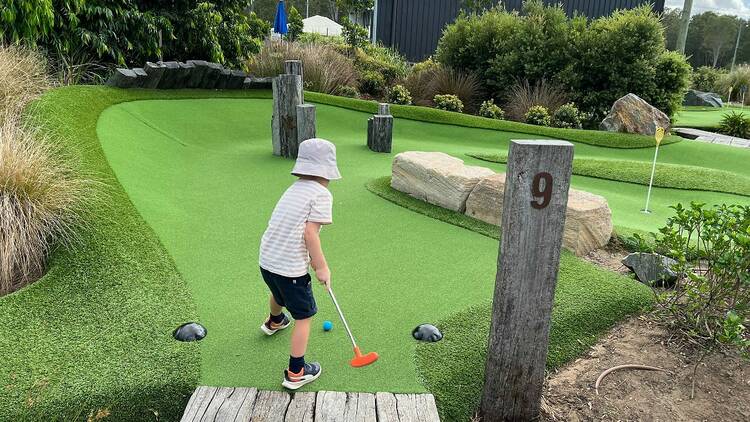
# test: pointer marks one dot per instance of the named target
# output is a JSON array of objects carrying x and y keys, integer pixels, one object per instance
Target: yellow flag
[{"x": 659, "y": 135}]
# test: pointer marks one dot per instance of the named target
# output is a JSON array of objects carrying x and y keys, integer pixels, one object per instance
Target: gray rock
[
  {"x": 705, "y": 99},
  {"x": 212, "y": 76},
  {"x": 122, "y": 78},
  {"x": 436, "y": 177},
  {"x": 183, "y": 75},
  {"x": 141, "y": 76},
  {"x": 257, "y": 83},
  {"x": 652, "y": 268},
  {"x": 223, "y": 80},
  {"x": 236, "y": 79},
  {"x": 427, "y": 332},
  {"x": 154, "y": 72},
  {"x": 200, "y": 67},
  {"x": 631, "y": 114},
  {"x": 170, "y": 75}
]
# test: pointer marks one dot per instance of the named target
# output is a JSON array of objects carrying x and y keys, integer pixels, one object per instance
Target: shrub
[
  {"x": 523, "y": 95},
  {"x": 567, "y": 116},
  {"x": 735, "y": 124},
  {"x": 711, "y": 300},
  {"x": 295, "y": 24},
  {"x": 595, "y": 61},
  {"x": 347, "y": 91},
  {"x": 354, "y": 35},
  {"x": 537, "y": 115},
  {"x": 399, "y": 95},
  {"x": 734, "y": 81},
  {"x": 371, "y": 83},
  {"x": 42, "y": 200},
  {"x": 491, "y": 110},
  {"x": 325, "y": 68},
  {"x": 389, "y": 62},
  {"x": 706, "y": 77},
  {"x": 430, "y": 79},
  {"x": 449, "y": 102},
  {"x": 23, "y": 77}
]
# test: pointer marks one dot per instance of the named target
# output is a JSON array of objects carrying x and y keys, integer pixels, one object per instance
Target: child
[{"x": 291, "y": 244}]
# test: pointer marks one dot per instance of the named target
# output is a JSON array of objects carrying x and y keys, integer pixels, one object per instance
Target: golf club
[{"x": 359, "y": 359}]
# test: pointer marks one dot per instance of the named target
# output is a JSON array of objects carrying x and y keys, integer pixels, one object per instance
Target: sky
[{"x": 729, "y": 7}]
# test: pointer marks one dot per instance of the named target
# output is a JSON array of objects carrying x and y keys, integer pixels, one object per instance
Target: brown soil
[{"x": 722, "y": 387}]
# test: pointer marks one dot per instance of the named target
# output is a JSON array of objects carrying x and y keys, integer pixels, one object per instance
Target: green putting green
[
  {"x": 201, "y": 174},
  {"x": 704, "y": 117}
]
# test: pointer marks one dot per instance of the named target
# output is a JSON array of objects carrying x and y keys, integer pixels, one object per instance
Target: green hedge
[{"x": 427, "y": 114}]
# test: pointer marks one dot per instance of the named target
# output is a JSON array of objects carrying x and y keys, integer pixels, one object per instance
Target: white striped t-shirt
[{"x": 282, "y": 249}]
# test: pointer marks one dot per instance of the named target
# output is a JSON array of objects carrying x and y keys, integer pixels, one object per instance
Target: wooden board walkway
[
  {"x": 711, "y": 137},
  {"x": 235, "y": 404}
]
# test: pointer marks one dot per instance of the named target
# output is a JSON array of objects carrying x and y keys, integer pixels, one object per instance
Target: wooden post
[
  {"x": 305, "y": 123},
  {"x": 384, "y": 109},
  {"x": 294, "y": 67},
  {"x": 380, "y": 133},
  {"x": 287, "y": 95},
  {"x": 536, "y": 196}
]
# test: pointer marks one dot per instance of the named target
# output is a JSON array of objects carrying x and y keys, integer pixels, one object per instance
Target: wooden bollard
[
  {"x": 380, "y": 133},
  {"x": 384, "y": 109},
  {"x": 294, "y": 67},
  {"x": 534, "y": 203},
  {"x": 287, "y": 95},
  {"x": 305, "y": 123}
]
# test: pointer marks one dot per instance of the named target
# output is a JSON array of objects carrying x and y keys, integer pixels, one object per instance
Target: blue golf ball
[{"x": 327, "y": 325}]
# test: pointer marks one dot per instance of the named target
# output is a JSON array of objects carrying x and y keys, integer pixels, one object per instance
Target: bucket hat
[{"x": 317, "y": 157}]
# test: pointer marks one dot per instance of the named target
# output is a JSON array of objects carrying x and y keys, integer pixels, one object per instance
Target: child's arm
[{"x": 317, "y": 259}]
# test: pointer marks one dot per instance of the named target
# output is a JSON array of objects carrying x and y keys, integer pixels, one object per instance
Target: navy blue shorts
[{"x": 295, "y": 294}]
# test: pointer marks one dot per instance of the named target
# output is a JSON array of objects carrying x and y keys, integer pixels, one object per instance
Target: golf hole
[
  {"x": 427, "y": 332},
  {"x": 190, "y": 331}
]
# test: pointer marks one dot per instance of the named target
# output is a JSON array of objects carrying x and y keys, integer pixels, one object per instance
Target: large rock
[
  {"x": 631, "y": 114},
  {"x": 588, "y": 219},
  {"x": 705, "y": 99},
  {"x": 652, "y": 268},
  {"x": 436, "y": 178}
]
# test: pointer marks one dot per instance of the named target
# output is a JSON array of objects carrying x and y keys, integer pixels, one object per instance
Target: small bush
[
  {"x": 387, "y": 61},
  {"x": 735, "y": 124},
  {"x": 42, "y": 200},
  {"x": 730, "y": 84},
  {"x": 23, "y": 77},
  {"x": 706, "y": 77},
  {"x": 449, "y": 102},
  {"x": 710, "y": 302},
  {"x": 537, "y": 115},
  {"x": 354, "y": 35},
  {"x": 325, "y": 68},
  {"x": 399, "y": 95},
  {"x": 491, "y": 110},
  {"x": 347, "y": 91},
  {"x": 371, "y": 83},
  {"x": 567, "y": 116},
  {"x": 523, "y": 95},
  {"x": 295, "y": 24}
]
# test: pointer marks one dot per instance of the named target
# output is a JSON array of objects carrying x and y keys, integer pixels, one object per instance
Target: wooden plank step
[{"x": 240, "y": 404}]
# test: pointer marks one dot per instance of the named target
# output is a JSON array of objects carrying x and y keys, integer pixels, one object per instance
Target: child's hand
[{"x": 324, "y": 276}]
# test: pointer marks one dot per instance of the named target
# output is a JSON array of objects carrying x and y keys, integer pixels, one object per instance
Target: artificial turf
[
  {"x": 704, "y": 117},
  {"x": 95, "y": 331},
  {"x": 667, "y": 175}
]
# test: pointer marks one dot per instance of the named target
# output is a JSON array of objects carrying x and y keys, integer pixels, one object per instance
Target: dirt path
[{"x": 722, "y": 388}]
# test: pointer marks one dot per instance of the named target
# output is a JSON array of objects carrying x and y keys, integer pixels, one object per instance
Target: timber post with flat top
[{"x": 534, "y": 204}]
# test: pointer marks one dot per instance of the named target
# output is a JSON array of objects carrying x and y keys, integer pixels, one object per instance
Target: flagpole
[{"x": 658, "y": 135}]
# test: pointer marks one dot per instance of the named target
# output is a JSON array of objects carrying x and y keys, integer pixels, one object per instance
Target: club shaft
[{"x": 341, "y": 315}]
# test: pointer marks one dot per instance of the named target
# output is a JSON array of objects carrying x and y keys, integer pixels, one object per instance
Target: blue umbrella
[{"x": 279, "y": 22}]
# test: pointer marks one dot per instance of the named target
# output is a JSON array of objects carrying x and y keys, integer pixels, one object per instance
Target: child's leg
[
  {"x": 300, "y": 334},
  {"x": 275, "y": 307}
]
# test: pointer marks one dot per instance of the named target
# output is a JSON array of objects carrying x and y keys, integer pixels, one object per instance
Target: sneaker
[
  {"x": 270, "y": 328},
  {"x": 308, "y": 374}
]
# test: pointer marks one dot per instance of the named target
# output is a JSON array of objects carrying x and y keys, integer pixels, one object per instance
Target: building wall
[{"x": 414, "y": 27}]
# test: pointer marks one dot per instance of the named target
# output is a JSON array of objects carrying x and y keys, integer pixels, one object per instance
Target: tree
[
  {"x": 671, "y": 21},
  {"x": 720, "y": 34},
  {"x": 295, "y": 24},
  {"x": 477, "y": 6}
]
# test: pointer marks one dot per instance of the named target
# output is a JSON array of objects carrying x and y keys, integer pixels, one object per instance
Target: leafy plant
[
  {"x": 295, "y": 24},
  {"x": 706, "y": 77},
  {"x": 42, "y": 198},
  {"x": 567, "y": 116},
  {"x": 449, "y": 102},
  {"x": 710, "y": 302},
  {"x": 731, "y": 84},
  {"x": 384, "y": 60},
  {"x": 399, "y": 95},
  {"x": 491, "y": 110},
  {"x": 354, "y": 35},
  {"x": 23, "y": 77},
  {"x": 735, "y": 124},
  {"x": 347, "y": 91},
  {"x": 523, "y": 95},
  {"x": 371, "y": 83},
  {"x": 537, "y": 115}
]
